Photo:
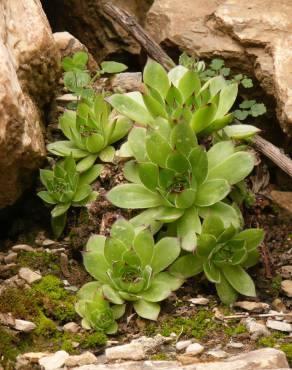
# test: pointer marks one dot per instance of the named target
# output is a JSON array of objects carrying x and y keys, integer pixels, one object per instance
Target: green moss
[
  {"x": 93, "y": 340},
  {"x": 287, "y": 348},
  {"x": 8, "y": 349},
  {"x": 38, "y": 260},
  {"x": 65, "y": 311},
  {"x": 150, "y": 329},
  {"x": 50, "y": 286},
  {"x": 267, "y": 342},
  {"x": 45, "y": 327},
  {"x": 18, "y": 303},
  {"x": 235, "y": 330},
  {"x": 160, "y": 357},
  {"x": 197, "y": 326},
  {"x": 276, "y": 285}
]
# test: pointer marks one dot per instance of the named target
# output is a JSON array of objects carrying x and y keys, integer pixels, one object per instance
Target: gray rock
[
  {"x": 262, "y": 359},
  {"x": 255, "y": 327},
  {"x": 11, "y": 257},
  {"x": 252, "y": 306},
  {"x": 235, "y": 345},
  {"x": 23, "y": 325},
  {"x": 286, "y": 271},
  {"x": 279, "y": 325},
  {"x": 71, "y": 327},
  {"x": 182, "y": 344},
  {"x": 194, "y": 349},
  {"x": 217, "y": 353},
  {"x": 28, "y": 275},
  {"x": 22, "y": 247},
  {"x": 86, "y": 358},
  {"x": 54, "y": 361},
  {"x": 138, "y": 349},
  {"x": 286, "y": 286},
  {"x": 199, "y": 301}
]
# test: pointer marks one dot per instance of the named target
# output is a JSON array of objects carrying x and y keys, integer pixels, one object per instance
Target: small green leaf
[
  {"x": 216, "y": 64},
  {"x": 187, "y": 227},
  {"x": 206, "y": 244},
  {"x": 113, "y": 67},
  {"x": 90, "y": 175},
  {"x": 212, "y": 272},
  {"x": 247, "y": 83},
  {"x": 155, "y": 76},
  {"x": 158, "y": 291},
  {"x": 137, "y": 143},
  {"x": 147, "y": 310},
  {"x": 60, "y": 209},
  {"x": 85, "y": 163},
  {"x": 239, "y": 280},
  {"x": 246, "y": 104},
  {"x": 148, "y": 174},
  {"x": 58, "y": 224},
  {"x": 46, "y": 197},
  {"x": 144, "y": 246},
  {"x": 164, "y": 253},
  {"x": 118, "y": 311},
  {"x": 130, "y": 108},
  {"x": 241, "y": 131},
  {"x": 123, "y": 231},
  {"x": 226, "y": 100},
  {"x": 199, "y": 162},
  {"x": 133, "y": 196},
  {"x": 107, "y": 154},
  {"x": 240, "y": 114},
  {"x": 80, "y": 59},
  {"x": 233, "y": 169},
  {"x": 155, "y": 140},
  {"x": 219, "y": 152},
  {"x": 112, "y": 295},
  {"x": 213, "y": 225},
  {"x": 203, "y": 117},
  {"x": 225, "y": 291},
  {"x": 252, "y": 238},
  {"x": 212, "y": 192},
  {"x": 186, "y": 266},
  {"x": 258, "y": 109}
]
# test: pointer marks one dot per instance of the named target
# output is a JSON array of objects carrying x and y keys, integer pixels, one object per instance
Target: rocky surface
[
  {"x": 102, "y": 36},
  {"x": 28, "y": 73},
  {"x": 256, "y": 37}
]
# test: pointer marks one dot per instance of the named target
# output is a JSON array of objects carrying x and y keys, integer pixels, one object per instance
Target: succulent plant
[
  {"x": 90, "y": 132},
  {"x": 223, "y": 254},
  {"x": 66, "y": 188},
  {"x": 180, "y": 95},
  {"x": 177, "y": 180},
  {"x": 130, "y": 267},
  {"x": 96, "y": 311}
]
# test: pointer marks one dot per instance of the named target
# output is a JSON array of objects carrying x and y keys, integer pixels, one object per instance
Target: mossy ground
[{"x": 48, "y": 304}]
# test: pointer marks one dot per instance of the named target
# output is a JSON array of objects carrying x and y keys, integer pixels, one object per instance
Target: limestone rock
[
  {"x": 267, "y": 358},
  {"x": 23, "y": 325},
  {"x": 199, "y": 301},
  {"x": 279, "y": 325},
  {"x": 256, "y": 37},
  {"x": 182, "y": 344},
  {"x": 28, "y": 74},
  {"x": 286, "y": 271},
  {"x": 286, "y": 286},
  {"x": 256, "y": 328},
  {"x": 252, "y": 306},
  {"x": 85, "y": 358},
  {"x": 54, "y": 361},
  {"x": 11, "y": 257},
  {"x": 138, "y": 349},
  {"x": 22, "y": 247},
  {"x": 68, "y": 45},
  {"x": 283, "y": 199},
  {"x": 194, "y": 349},
  {"x": 71, "y": 327},
  {"x": 92, "y": 27},
  {"x": 28, "y": 275}
]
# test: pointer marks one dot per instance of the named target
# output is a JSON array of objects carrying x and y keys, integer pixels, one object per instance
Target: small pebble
[
  {"x": 235, "y": 345},
  {"x": 71, "y": 327},
  {"x": 286, "y": 271},
  {"x": 279, "y": 325},
  {"x": 28, "y": 275},
  {"x": 255, "y": 327},
  {"x": 11, "y": 257},
  {"x": 48, "y": 242},
  {"x": 199, "y": 301},
  {"x": 194, "y": 349},
  {"x": 286, "y": 286},
  {"x": 252, "y": 306},
  {"x": 182, "y": 344},
  {"x": 217, "y": 353},
  {"x": 22, "y": 247}
]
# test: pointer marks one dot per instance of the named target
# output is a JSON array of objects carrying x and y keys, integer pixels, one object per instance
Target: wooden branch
[
  {"x": 129, "y": 23},
  {"x": 273, "y": 153}
]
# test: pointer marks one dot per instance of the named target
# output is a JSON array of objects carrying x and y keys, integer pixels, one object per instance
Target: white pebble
[{"x": 195, "y": 349}]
